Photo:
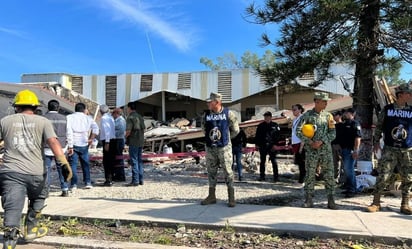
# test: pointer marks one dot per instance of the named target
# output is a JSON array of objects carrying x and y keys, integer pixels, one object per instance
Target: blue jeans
[
  {"x": 13, "y": 190},
  {"x": 80, "y": 153},
  {"x": 237, "y": 156},
  {"x": 136, "y": 162},
  {"x": 349, "y": 169},
  {"x": 48, "y": 160}
]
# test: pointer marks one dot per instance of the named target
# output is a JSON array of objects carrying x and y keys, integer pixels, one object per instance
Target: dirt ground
[{"x": 181, "y": 235}]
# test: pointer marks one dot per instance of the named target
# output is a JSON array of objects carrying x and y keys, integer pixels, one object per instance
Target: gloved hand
[{"x": 66, "y": 169}]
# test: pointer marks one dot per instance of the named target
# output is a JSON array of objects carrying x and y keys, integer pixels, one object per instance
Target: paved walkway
[{"x": 390, "y": 225}]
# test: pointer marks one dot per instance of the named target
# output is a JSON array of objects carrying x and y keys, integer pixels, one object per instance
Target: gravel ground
[{"x": 186, "y": 181}]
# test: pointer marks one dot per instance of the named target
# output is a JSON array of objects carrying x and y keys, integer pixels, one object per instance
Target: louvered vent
[
  {"x": 77, "y": 84},
  {"x": 307, "y": 76},
  {"x": 184, "y": 81},
  {"x": 146, "y": 82},
  {"x": 111, "y": 87},
  {"x": 224, "y": 85},
  {"x": 263, "y": 80}
]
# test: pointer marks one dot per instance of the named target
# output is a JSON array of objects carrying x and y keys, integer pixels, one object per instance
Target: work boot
[
  {"x": 10, "y": 237},
  {"x": 331, "y": 203},
  {"x": 308, "y": 201},
  {"x": 231, "y": 192},
  {"x": 405, "y": 209},
  {"x": 211, "y": 198},
  {"x": 376, "y": 204},
  {"x": 33, "y": 228}
]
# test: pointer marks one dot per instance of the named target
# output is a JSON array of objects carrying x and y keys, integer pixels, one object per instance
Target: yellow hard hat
[
  {"x": 26, "y": 97},
  {"x": 308, "y": 130}
]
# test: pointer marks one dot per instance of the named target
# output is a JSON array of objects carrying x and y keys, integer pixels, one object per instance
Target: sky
[{"x": 124, "y": 36}]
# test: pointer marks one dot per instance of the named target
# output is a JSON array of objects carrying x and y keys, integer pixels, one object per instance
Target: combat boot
[
  {"x": 211, "y": 198},
  {"x": 10, "y": 237},
  {"x": 231, "y": 192},
  {"x": 331, "y": 203},
  {"x": 405, "y": 209},
  {"x": 33, "y": 228},
  {"x": 308, "y": 201},
  {"x": 376, "y": 204}
]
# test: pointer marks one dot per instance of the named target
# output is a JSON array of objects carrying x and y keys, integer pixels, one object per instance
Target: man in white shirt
[
  {"x": 107, "y": 137},
  {"x": 81, "y": 131}
]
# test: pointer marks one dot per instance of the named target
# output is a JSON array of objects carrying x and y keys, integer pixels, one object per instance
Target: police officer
[
  {"x": 266, "y": 139},
  {"x": 220, "y": 125},
  {"x": 395, "y": 123},
  {"x": 318, "y": 147}
]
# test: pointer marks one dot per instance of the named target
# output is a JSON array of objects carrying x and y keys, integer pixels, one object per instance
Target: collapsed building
[{"x": 173, "y": 103}]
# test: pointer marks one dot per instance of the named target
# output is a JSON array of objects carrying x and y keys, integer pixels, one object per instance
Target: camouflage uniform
[
  {"x": 219, "y": 127},
  {"x": 221, "y": 156},
  {"x": 325, "y": 132},
  {"x": 396, "y": 122}
]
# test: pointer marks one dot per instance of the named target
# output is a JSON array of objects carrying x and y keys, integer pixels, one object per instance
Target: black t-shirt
[{"x": 350, "y": 131}]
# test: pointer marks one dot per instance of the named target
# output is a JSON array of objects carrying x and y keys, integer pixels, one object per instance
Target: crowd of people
[{"x": 323, "y": 143}]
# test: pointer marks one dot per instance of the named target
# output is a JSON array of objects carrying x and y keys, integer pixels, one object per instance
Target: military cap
[
  {"x": 403, "y": 88},
  {"x": 214, "y": 97},
  {"x": 321, "y": 96}
]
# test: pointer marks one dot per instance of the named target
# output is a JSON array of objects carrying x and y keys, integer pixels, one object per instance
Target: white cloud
[
  {"x": 13, "y": 32},
  {"x": 162, "y": 20}
]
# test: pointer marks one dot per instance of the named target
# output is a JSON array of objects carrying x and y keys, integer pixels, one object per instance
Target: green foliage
[
  {"x": 230, "y": 61},
  {"x": 315, "y": 34}
]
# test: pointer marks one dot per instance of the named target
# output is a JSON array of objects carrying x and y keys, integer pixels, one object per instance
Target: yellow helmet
[
  {"x": 26, "y": 97},
  {"x": 308, "y": 130}
]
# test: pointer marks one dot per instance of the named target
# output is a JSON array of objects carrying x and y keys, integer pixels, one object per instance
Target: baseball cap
[
  {"x": 214, "y": 97},
  {"x": 321, "y": 96},
  {"x": 267, "y": 114},
  {"x": 351, "y": 110}
]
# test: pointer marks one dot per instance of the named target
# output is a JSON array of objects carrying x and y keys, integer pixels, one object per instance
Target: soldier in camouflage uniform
[
  {"x": 395, "y": 123},
  {"x": 220, "y": 125},
  {"x": 318, "y": 148}
]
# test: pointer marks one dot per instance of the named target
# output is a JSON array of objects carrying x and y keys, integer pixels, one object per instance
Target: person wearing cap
[
  {"x": 338, "y": 172},
  {"x": 266, "y": 139},
  {"x": 395, "y": 124},
  {"x": 59, "y": 123},
  {"x": 119, "y": 131},
  {"x": 318, "y": 148},
  {"x": 22, "y": 171},
  {"x": 81, "y": 131},
  {"x": 297, "y": 145},
  {"x": 107, "y": 136},
  {"x": 220, "y": 126},
  {"x": 350, "y": 140}
]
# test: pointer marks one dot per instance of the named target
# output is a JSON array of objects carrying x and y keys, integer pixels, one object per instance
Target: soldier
[
  {"x": 220, "y": 125},
  {"x": 316, "y": 129},
  {"x": 395, "y": 123}
]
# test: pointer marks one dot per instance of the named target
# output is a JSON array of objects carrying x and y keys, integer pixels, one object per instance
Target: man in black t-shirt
[{"x": 267, "y": 136}]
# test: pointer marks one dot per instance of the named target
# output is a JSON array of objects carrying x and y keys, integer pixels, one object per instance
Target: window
[{"x": 146, "y": 82}]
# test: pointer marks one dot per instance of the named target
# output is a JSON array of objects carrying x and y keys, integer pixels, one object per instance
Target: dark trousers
[
  {"x": 300, "y": 161},
  {"x": 264, "y": 152},
  {"x": 108, "y": 160},
  {"x": 118, "y": 171},
  {"x": 14, "y": 187}
]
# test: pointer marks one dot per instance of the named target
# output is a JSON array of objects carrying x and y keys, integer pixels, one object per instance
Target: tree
[
  {"x": 229, "y": 61},
  {"x": 317, "y": 33}
]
